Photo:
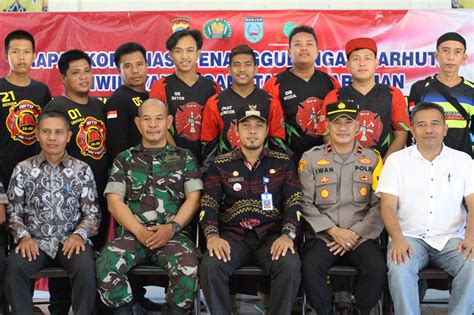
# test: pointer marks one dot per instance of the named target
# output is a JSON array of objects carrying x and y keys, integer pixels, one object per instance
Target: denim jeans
[{"x": 403, "y": 279}]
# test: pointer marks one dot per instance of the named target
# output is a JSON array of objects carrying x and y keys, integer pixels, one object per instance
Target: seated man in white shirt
[{"x": 422, "y": 190}]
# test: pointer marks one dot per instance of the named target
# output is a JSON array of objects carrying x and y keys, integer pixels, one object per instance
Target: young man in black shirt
[
  {"x": 22, "y": 100},
  {"x": 122, "y": 106},
  {"x": 220, "y": 112},
  {"x": 301, "y": 90},
  {"x": 185, "y": 91},
  {"x": 451, "y": 55}
]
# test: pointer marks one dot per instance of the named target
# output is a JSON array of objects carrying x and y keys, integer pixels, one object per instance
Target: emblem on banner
[
  {"x": 253, "y": 29},
  {"x": 217, "y": 28},
  {"x": 180, "y": 23},
  {"x": 288, "y": 27}
]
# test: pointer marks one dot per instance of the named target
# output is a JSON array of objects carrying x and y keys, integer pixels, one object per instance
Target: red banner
[{"x": 406, "y": 41}]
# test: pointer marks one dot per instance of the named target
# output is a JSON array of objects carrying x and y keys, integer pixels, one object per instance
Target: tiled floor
[{"x": 247, "y": 302}]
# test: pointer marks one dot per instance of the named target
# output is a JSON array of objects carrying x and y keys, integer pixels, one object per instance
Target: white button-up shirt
[{"x": 430, "y": 194}]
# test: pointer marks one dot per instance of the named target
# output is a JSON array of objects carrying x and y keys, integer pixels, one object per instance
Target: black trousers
[
  {"x": 80, "y": 269},
  {"x": 60, "y": 288},
  {"x": 367, "y": 258},
  {"x": 285, "y": 273},
  {"x": 2, "y": 271}
]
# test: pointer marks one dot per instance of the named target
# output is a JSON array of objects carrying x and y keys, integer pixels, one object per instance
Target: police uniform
[
  {"x": 233, "y": 208},
  {"x": 338, "y": 190},
  {"x": 382, "y": 111},
  {"x": 186, "y": 104},
  {"x": 154, "y": 184}
]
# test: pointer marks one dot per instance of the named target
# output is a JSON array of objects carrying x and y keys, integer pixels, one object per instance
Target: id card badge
[{"x": 267, "y": 201}]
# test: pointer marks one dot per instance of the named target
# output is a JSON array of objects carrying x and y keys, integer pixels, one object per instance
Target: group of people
[{"x": 258, "y": 168}]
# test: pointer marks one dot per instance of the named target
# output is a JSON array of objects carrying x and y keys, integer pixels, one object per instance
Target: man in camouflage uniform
[{"x": 153, "y": 191}]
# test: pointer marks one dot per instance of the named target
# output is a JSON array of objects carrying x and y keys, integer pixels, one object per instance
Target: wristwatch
[
  {"x": 291, "y": 235},
  {"x": 176, "y": 227}
]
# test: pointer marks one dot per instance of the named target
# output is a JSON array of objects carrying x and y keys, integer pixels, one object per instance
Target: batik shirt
[
  {"x": 50, "y": 202},
  {"x": 232, "y": 196}
]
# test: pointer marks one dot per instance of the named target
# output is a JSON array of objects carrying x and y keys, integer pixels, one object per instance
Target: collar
[
  {"x": 414, "y": 152},
  {"x": 168, "y": 147},
  {"x": 357, "y": 150},
  {"x": 238, "y": 155},
  {"x": 40, "y": 159}
]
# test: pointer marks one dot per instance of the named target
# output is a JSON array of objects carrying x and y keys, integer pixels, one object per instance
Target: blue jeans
[{"x": 403, "y": 279}]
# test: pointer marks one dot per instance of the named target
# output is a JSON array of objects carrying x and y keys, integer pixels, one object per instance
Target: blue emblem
[{"x": 253, "y": 29}]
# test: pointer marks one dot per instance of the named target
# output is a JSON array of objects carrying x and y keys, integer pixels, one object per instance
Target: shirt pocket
[
  {"x": 326, "y": 188},
  {"x": 452, "y": 184},
  {"x": 362, "y": 186},
  {"x": 135, "y": 186},
  {"x": 173, "y": 184}
]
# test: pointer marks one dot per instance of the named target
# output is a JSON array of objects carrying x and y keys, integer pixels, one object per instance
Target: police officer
[
  {"x": 153, "y": 192},
  {"x": 343, "y": 213},
  {"x": 250, "y": 211}
]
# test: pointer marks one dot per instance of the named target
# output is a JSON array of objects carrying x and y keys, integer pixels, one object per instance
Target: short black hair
[
  {"x": 18, "y": 34},
  {"x": 54, "y": 113},
  {"x": 172, "y": 41},
  {"x": 243, "y": 49},
  {"x": 302, "y": 29},
  {"x": 126, "y": 49},
  {"x": 425, "y": 106},
  {"x": 70, "y": 56}
]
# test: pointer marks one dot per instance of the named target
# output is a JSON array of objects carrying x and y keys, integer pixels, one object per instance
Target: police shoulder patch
[{"x": 301, "y": 166}]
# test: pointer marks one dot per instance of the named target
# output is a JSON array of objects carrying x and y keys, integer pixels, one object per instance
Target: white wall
[{"x": 181, "y": 5}]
